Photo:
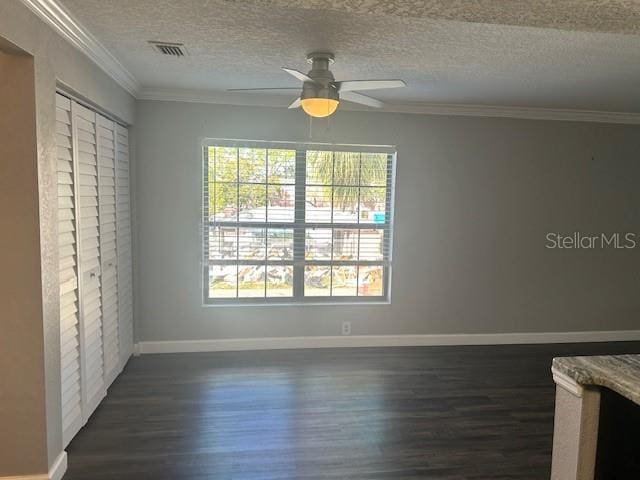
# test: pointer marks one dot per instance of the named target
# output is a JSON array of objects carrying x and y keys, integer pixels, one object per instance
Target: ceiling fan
[{"x": 321, "y": 93}]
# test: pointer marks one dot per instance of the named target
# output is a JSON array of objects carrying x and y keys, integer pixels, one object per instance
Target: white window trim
[{"x": 299, "y": 261}]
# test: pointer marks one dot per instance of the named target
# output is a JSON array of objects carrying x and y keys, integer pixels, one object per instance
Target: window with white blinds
[{"x": 295, "y": 223}]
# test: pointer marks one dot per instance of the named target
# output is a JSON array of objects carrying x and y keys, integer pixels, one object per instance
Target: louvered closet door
[
  {"x": 68, "y": 261},
  {"x": 107, "y": 208},
  {"x": 84, "y": 131},
  {"x": 125, "y": 282}
]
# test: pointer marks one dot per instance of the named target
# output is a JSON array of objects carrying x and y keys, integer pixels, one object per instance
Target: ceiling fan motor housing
[
  {"x": 314, "y": 90},
  {"x": 322, "y": 86}
]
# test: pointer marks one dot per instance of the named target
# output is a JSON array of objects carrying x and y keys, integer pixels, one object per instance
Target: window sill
[{"x": 310, "y": 303}]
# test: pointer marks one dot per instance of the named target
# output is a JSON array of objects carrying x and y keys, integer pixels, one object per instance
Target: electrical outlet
[{"x": 346, "y": 328}]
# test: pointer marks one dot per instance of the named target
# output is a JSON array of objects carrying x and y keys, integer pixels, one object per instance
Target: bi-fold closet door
[
  {"x": 123, "y": 240},
  {"x": 70, "y": 335},
  {"x": 95, "y": 289},
  {"x": 106, "y": 137}
]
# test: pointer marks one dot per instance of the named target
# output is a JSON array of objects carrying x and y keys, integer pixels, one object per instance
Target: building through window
[{"x": 295, "y": 223}]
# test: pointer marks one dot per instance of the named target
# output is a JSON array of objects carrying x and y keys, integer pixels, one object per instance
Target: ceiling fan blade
[
  {"x": 261, "y": 89},
  {"x": 296, "y": 103},
  {"x": 351, "y": 85},
  {"x": 362, "y": 99},
  {"x": 303, "y": 77}
]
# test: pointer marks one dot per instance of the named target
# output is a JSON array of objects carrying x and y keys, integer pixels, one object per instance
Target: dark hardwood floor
[{"x": 369, "y": 413}]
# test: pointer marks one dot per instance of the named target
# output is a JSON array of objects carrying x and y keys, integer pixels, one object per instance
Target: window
[{"x": 296, "y": 223}]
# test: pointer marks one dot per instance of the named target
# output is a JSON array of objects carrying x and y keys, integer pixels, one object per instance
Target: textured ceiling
[
  {"x": 499, "y": 54},
  {"x": 610, "y": 16}
]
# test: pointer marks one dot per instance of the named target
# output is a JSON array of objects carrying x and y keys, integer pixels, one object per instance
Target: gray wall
[
  {"x": 55, "y": 60},
  {"x": 475, "y": 199}
]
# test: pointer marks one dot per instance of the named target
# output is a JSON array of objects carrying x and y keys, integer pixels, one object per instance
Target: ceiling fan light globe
[{"x": 319, "y": 107}]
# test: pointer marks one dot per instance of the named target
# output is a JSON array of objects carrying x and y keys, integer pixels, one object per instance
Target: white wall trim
[
  {"x": 73, "y": 31},
  {"x": 56, "y": 472},
  {"x": 213, "y": 96},
  {"x": 59, "y": 467},
  {"x": 526, "y": 113},
  {"x": 260, "y": 100},
  {"x": 42, "y": 476},
  {"x": 277, "y": 343}
]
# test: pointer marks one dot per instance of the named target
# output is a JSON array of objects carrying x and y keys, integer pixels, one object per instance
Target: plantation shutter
[
  {"x": 71, "y": 390},
  {"x": 94, "y": 244},
  {"x": 90, "y": 269},
  {"x": 107, "y": 208},
  {"x": 123, "y": 214}
]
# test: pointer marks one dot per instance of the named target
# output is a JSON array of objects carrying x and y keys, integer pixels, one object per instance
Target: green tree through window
[{"x": 273, "y": 231}]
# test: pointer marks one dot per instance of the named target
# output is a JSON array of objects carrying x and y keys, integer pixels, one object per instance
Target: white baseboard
[
  {"x": 59, "y": 467},
  {"x": 278, "y": 343},
  {"x": 56, "y": 472},
  {"x": 41, "y": 476}
]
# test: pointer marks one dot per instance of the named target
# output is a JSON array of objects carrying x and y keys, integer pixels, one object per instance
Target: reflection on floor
[{"x": 376, "y": 413}]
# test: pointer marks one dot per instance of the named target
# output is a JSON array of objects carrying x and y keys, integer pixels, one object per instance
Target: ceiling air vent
[{"x": 168, "y": 48}]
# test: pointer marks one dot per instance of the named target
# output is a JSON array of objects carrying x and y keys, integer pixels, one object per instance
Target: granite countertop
[{"x": 620, "y": 373}]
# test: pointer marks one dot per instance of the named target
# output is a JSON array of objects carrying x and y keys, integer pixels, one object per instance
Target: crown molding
[
  {"x": 53, "y": 14},
  {"x": 528, "y": 113},
  {"x": 213, "y": 96}
]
